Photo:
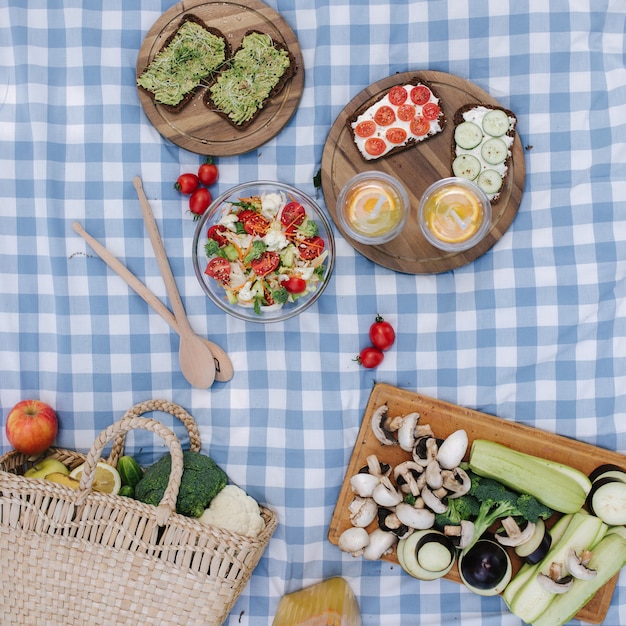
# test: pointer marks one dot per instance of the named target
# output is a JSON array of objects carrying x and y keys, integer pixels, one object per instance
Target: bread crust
[
  {"x": 414, "y": 81},
  {"x": 189, "y": 17},
  {"x": 458, "y": 119},
  {"x": 280, "y": 85}
]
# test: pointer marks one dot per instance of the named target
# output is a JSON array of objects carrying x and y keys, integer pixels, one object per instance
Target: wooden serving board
[
  {"x": 417, "y": 168},
  {"x": 445, "y": 418},
  {"x": 198, "y": 129}
]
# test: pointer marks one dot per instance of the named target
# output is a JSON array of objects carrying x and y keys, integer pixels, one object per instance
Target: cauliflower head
[{"x": 232, "y": 509}]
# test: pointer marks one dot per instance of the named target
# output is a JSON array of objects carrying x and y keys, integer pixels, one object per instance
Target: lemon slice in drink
[{"x": 106, "y": 480}]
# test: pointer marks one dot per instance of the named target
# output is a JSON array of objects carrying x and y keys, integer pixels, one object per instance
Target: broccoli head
[
  {"x": 202, "y": 480},
  {"x": 466, "y": 507}
]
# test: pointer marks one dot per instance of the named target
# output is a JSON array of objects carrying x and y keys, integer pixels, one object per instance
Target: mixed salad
[{"x": 265, "y": 252}]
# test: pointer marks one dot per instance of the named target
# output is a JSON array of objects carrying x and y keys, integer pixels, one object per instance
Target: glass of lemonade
[
  {"x": 454, "y": 214},
  {"x": 372, "y": 207}
]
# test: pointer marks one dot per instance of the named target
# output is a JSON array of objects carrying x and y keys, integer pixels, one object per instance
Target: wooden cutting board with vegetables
[{"x": 446, "y": 418}]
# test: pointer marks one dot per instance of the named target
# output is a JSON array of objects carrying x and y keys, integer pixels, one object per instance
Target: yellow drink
[{"x": 373, "y": 208}]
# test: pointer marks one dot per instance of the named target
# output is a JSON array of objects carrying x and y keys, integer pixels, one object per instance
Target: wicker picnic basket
[{"x": 83, "y": 557}]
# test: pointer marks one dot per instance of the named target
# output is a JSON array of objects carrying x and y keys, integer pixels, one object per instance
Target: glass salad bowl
[{"x": 263, "y": 251}]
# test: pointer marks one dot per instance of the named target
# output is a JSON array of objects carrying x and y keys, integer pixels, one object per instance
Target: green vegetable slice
[
  {"x": 467, "y": 135},
  {"x": 466, "y": 166},
  {"x": 494, "y": 151},
  {"x": 490, "y": 181},
  {"x": 496, "y": 123}
]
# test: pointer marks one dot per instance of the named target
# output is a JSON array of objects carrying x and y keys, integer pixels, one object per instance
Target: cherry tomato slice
[
  {"x": 406, "y": 112},
  {"x": 420, "y": 94},
  {"x": 365, "y": 129},
  {"x": 294, "y": 284},
  {"x": 253, "y": 223},
  {"x": 420, "y": 126},
  {"x": 375, "y": 146},
  {"x": 208, "y": 173},
  {"x": 310, "y": 248},
  {"x": 293, "y": 213},
  {"x": 218, "y": 268},
  {"x": 215, "y": 233},
  {"x": 382, "y": 334},
  {"x": 187, "y": 183},
  {"x": 396, "y": 135},
  {"x": 398, "y": 95},
  {"x": 266, "y": 263},
  {"x": 384, "y": 116},
  {"x": 370, "y": 357},
  {"x": 431, "y": 111}
]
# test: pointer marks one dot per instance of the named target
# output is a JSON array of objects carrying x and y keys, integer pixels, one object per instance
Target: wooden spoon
[
  {"x": 223, "y": 365},
  {"x": 196, "y": 360}
]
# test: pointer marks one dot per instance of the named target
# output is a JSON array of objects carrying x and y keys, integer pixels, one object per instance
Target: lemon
[{"x": 106, "y": 480}]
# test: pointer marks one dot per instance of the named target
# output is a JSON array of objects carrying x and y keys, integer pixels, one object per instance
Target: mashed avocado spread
[
  {"x": 256, "y": 69},
  {"x": 178, "y": 69}
]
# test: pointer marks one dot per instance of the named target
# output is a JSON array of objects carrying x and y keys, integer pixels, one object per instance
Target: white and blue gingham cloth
[{"x": 533, "y": 331}]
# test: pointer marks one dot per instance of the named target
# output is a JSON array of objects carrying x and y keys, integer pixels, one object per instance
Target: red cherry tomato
[
  {"x": 420, "y": 94},
  {"x": 293, "y": 213},
  {"x": 218, "y": 268},
  {"x": 420, "y": 126},
  {"x": 266, "y": 263},
  {"x": 406, "y": 112},
  {"x": 375, "y": 146},
  {"x": 396, "y": 135},
  {"x": 199, "y": 201},
  {"x": 215, "y": 233},
  {"x": 365, "y": 129},
  {"x": 382, "y": 334},
  {"x": 187, "y": 183},
  {"x": 370, "y": 357},
  {"x": 384, "y": 116},
  {"x": 254, "y": 223},
  {"x": 208, "y": 173},
  {"x": 398, "y": 95},
  {"x": 431, "y": 111},
  {"x": 310, "y": 248},
  {"x": 294, "y": 284}
]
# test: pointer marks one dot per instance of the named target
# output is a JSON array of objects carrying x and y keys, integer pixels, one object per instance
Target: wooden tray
[
  {"x": 417, "y": 168},
  {"x": 445, "y": 418},
  {"x": 196, "y": 128}
]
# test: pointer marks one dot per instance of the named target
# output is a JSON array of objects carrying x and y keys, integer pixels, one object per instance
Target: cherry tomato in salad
[
  {"x": 199, "y": 201},
  {"x": 384, "y": 116},
  {"x": 294, "y": 284},
  {"x": 253, "y": 223},
  {"x": 215, "y": 233},
  {"x": 187, "y": 183},
  {"x": 310, "y": 247},
  {"x": 375, "y": 146},
  {"x": 406, "y": 112},
  {"x": 420, "y": 94},
  {"x": 370, "y": 357},
  {"x": 293, "y": 213},
  {"x": 431, "y": 111},
  {"x": 420, "y": 126},
  {"x": 365, "y": 129},
  {"x": 398, "y": 95},
  {"x": 382, "y": 334},
  {"x": 396, "y": 135},
  {"x": 266, "y": 263},
  {"x": 219, "y": 268},
  {"x": 208, "y": 173}
]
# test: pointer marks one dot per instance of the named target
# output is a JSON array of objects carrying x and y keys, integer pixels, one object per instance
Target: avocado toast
[{"x": 258, "y": 71}]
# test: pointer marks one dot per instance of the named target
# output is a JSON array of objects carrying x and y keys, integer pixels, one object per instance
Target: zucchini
[
  {"x": 577, "y": 475},
  {"x": 608, "y": 558},
  {"x": 490, "y": 181},
  {"x": 466, "y": 166},
  {"x": 494, "y": 151},
  {"x": 533, "y": 598},
  {"x": 496, "y": 123},
  {"x": 467, "y": 135},
  {"x": 524, "y": 473}
]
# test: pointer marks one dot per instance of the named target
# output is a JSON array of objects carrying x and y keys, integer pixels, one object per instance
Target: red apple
[{"x": 31, "y": 426}]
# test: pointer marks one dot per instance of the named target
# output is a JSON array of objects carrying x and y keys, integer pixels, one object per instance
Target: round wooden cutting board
[
  {"x": 417, "y": 168},
  {"x": 198, "y": 129}
]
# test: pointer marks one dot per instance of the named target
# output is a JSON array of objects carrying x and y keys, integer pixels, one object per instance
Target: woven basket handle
[
  {"x": 167, "y": 506},
  {"x": 164, "y": 406}
]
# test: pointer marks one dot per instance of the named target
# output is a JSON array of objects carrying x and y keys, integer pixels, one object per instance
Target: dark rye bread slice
[
  {"x": 289, "y": 72},
  {"x": 458, "y": 119},
  {"x": 189, "y": 17},
  {"x": 414, "y": 81}
]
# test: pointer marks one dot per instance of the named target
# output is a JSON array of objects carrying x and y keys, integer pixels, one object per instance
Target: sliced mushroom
[
  {"x": 407, "y": 475},
  {"x": 415, "y": 517},
  {"x": 425, "y": 450},
  {"x": 456, "y": 481},
  {"x": 558, "y": 586},
  {"x": 461, "y": 534},
  {"x": 433, "y": 476},
  {"x": 433, "y": 502},
  {"x": 385, "y": 494},
  {"x": 362, "y": 511},
  {"x": 515, "y": 535},
  {"x": 406, "y": 432},
  {"x": 391, "y": 523},
  {"x": 380, "y": 544},
  {"x": 354, "y": 541},
  {"x": 385, "y": 427},
  {"x": 363, "y": 484},
  {"x": 376, "y": 467},
  {"x": 452, "y": 449},
  {"x": 577, "y": 565}
]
